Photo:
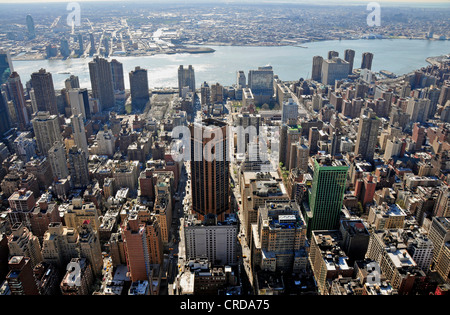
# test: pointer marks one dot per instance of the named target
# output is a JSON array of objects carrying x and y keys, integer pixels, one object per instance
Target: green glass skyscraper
[{"x": 326, "y": 194}]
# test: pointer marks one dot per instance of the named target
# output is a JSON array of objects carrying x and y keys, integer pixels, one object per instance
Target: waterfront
[{"x": 399, "y": 56}]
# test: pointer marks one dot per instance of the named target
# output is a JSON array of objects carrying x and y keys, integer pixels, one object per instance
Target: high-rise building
[
  {"x": 47, "y": 131},
  {"x": 6, "y": 66},
  {"x": 439, "y": 234},
  {"x": 280, "y": 238},
  {"x": 317, "y": 68},
  {"x": 327, "y": 193},
  {"x": 102, "y": 82},
  {"x": 289, "y": 111},
  {"x": 5, "y": 119},
  {"x": 142, "y": 242},
  {"x": 72, "y": 82},
  {"x": 79, "y": 133},
  {"x": 442, "y": 205},
  {"x": 22, "y": 242},
  {"x": 367, "y": 134},
  {"x": 261, "y": 84},
  {"x": 241, "y": 81},
  {"x": 78, "y": 168},
  {"x": 16, "y": 94},
  {"x": 366, "y": 62},
  {"x": 207, "y": 238},
  {"x": 210, "y": 170},
  {"x": 30, "y": 27},
  {"x": 350, "y": 58},
  {"x": 418, "y": 109},
  {"x": 44, "y": 92},
  {"x": 205, "y": 94},
  {"x": 58, "y": 160},
  {"x": 70, "y": 285},
  {"x": 20, "y": 277},
  {"x": 90, "y": 247},
  {"x": 79, "y": 102},
  {"x": 117, "y": 75},
  {"x": 59, "y": 245},
  {"x": 139, "y": 88},
  {"x": 186, "y": 78},
  {"x": 334, "y": 69},
  {"x": 332, "y": 54}
]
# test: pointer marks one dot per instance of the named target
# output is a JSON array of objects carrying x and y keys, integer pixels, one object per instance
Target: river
[{"x": 399, "y": 56}]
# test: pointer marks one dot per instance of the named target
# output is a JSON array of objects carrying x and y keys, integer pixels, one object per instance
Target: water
[{"x": 399, "y": 56}]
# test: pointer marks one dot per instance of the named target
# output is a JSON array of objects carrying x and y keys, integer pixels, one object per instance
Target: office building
[
  {"x": 328, "y": 260},
  {"x": 186, "y": 78},
  {"x": 30, "y": 27},
  {"x": 210, "y": 170},
  {"x": 327, "y": 193},
  {"x": 261, "y": 83},
  {"x": 279, "y": 238},
  {"x": 289, "y": 111},
  {"x": 44, "y": 92},
  {"x": 16, "y": 94},
  {"x": 47, "y": 131},
  {"x": 20, "y": 277},
  {"x": 59, "y": 245},
  {"x": 317, "y": 69},
  {"x": 366, "y": 62},
  {"x": 72, "y": 82},
  {"x": 58, "y": 161},
  {"x": 208, "y": 239},
  {"x": 78, "y": 284},
  {"x": 6, "y": 66},
  {"x": 22, "y": 242},
  {"x": 102, "y": 82},
  {"x": 334, "y": 69},
  {"x": 80, "y": 211},
  {"x": 5, "y": 119},
  {"x": 79, "y": 102},
  {"x": 117, "y": 75},
  {"x": 90, "y": 248},
  {"x": 350, "y": 58},
  {"x": 78, "y": 168},
  {"x": 79, "y": 133},
  {"x": 367, "y": 134},
  {"x": 139, "y": 89}
]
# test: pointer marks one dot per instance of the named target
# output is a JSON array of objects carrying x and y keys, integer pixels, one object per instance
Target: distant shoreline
[{"x": 201, "y": 49}]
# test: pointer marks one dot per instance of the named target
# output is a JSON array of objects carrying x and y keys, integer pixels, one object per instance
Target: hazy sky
[{"x": 255, "y": 1}]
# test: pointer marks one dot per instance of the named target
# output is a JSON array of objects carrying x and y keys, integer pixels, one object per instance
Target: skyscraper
[
  {"x": 210, "y": 168},
  {"x": 117, "y": 75},
  {"x": 72, "y": 82},
  {"x": 102, "y": 82},
  {"x": 79, "y": 133},
  {"x": 350, "y": 58},
  {"x": 58, "y": 160},
  {"x": 15, "y": 91},
  {"x": 20, "y": 277},
  {"x": 6, "y": 66},
  {"x": 78, "y": 167},
  {"x": 367, "y": 59},
  {"x": 186, "y": 78},
  {"x": 90, "y": 247},
  {"x": 367, "y": 134},
  {"x": 139, "y": 89},
  {"x": 317, "y": 68},
  {"x": 79, "y": 102},
  {"x": 5, "y": 120},
  {"x": 260, "y": 83},
  {"x": 44, "y": 92},
  {"x": 327, "y": 193},
  {"x": 47, "y": 131},
  {"x": 30, "y": 27},
  {"x": 334, "y": 69}
]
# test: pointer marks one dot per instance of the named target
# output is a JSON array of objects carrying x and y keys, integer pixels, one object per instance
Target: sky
[{"x": 280, "y": 1}]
